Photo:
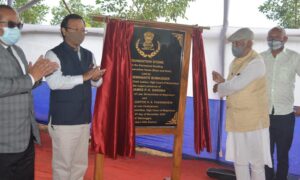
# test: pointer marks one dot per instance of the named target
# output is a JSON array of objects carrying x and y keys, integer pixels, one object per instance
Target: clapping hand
[
  {"x": 98, "y": 74},
  {"x": 218, "y": 78},
  {"x": 93, "y": 74},
  {"x": 42, "y": 67}
]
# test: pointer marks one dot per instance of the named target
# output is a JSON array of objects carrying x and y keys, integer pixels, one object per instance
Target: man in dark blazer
[{"x": 18, "y": 128}]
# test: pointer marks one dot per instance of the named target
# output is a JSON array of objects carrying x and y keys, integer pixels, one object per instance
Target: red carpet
[{"x": 143, "y": 167}]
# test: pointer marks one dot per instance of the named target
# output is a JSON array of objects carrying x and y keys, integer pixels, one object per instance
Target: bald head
[
  {"x": 277, "y": 33},
  {"x": 4, "y": 9}
]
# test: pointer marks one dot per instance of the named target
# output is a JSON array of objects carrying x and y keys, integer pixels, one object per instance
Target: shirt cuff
[
  {"x": 32, "y": 79},
  {"x": 80, "y": 79},
  {"x": 221, "y": 90},
  {"x": 97, "y": 83}
]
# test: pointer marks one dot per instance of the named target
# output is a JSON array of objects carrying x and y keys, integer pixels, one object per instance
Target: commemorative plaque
[
  {"x": 160, "y": 58},
  {"x": 156, "y": 57}
]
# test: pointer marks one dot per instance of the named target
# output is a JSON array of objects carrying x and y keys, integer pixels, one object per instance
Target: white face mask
[{"x": 275, "y": 44}]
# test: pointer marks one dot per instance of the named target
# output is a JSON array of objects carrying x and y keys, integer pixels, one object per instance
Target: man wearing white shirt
[
  {"x": 282, "y": 65},
  {"x": 247, "y": 120},
  {"x": 70, "y": 100}
]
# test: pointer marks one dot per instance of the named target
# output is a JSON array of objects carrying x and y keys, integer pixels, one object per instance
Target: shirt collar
[{"x": 3, "y": 45}]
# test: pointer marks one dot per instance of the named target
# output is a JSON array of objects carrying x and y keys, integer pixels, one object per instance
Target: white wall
[
  {"x": 213, "y": 60},
  {"x": 37, "y": 39}
]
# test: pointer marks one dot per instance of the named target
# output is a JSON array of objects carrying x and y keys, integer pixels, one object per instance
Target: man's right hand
[
  {"x": 217, "y": 77},
  {"x": 93, "y": 74},
  {"x": 297, "y": 110},
  {"x": 42, "y": 67},
  {"x": 89, "y": 74}
]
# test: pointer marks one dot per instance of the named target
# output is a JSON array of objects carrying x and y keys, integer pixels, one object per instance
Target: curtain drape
[
  {"x": 202, "y": 136},
  {"x": 113, "y": 132}
]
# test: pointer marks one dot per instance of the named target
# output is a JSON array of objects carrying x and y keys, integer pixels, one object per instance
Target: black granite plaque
[{"x": 156, "y": 56}]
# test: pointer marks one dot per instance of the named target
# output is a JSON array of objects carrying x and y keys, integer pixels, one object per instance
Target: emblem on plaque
[{"x": 148, "y": 49}]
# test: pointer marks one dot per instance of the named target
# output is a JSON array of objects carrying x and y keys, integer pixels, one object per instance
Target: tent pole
[{"x": 222, "y": 62}]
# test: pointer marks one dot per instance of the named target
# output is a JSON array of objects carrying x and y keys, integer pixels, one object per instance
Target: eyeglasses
[
  {"x": 78, "y": 30},
  {"x": 12, "y": 24}
]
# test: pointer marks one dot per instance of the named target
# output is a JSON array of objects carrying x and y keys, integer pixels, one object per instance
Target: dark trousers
[
  {"x": 281, "y": 135},
  {"x": 18, "y": 166}
]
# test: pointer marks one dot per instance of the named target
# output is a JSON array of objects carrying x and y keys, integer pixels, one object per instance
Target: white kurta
[
  {"x": 249, "y": 147},
  {"x": 253, "y": 146}
]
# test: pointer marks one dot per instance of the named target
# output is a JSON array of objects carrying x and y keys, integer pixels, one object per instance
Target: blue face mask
[
  {"x": 275, "y": 44},
  {"x": 237, "y": 51},
  {"x": 10, "y": 35}
]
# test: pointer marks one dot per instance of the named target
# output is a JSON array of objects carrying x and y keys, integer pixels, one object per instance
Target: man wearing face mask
[
  {"x": 247, "y": 120},
  {"x": 282, "y": 65},
  {"x": 18, "y": 128},
  {"x": 70, "y": 100}
]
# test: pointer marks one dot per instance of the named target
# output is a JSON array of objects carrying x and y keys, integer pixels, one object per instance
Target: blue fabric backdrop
[{"x": 165, "y": 143}]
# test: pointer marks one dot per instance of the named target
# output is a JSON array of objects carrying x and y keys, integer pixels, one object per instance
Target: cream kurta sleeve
[{"x": 254, "y": 70}]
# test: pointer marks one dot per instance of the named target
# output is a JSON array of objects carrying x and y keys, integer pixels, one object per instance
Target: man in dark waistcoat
[{"x": 70, "y": 100}]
